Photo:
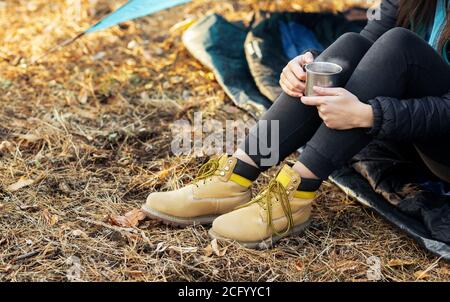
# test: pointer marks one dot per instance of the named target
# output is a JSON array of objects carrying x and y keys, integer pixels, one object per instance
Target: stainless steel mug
[{"x": 322, "y": 74}]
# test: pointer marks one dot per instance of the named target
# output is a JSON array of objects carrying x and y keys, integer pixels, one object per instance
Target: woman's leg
[
  {"x": 401, "y": 65},
  {"x": 393, "y": 66},
  {"x": 224, "y": 184},
  {"x": 297, "y": 122}
]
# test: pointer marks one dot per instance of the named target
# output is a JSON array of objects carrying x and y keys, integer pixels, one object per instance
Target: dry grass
[{"x": 87, "y": 133}]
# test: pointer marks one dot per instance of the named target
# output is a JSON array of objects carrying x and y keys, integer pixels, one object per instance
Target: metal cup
[{"x": 322, "y": 74}]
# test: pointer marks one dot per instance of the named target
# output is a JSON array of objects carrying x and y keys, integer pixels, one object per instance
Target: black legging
[{"x": 399, "y": 64}]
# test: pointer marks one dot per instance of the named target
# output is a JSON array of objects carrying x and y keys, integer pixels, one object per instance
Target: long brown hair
[{"x": 414, "y": 13}]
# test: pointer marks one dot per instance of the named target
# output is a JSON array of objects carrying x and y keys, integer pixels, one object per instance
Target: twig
[
  {"x": 111, "y": 227},
  {"x": 27, "y": 255},
  {"x": 57, "y": 47}
]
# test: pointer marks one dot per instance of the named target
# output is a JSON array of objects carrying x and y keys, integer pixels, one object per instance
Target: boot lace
[
  {"x": 207, "y": 170},
  {"x": 264, "y": 199}
]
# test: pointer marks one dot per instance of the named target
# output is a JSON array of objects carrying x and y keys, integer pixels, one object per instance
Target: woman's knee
[
  {"x": 347, "y": 51},
  {"x": 399, "y": 37},
  {"x": 352, "y": 38}
]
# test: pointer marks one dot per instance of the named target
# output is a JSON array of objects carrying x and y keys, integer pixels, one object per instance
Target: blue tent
[
  {"x": 131, "y": 10},
  {"x": 134, "y": 9}
]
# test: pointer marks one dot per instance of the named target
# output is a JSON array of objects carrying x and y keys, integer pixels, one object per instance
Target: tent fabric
[
  {"x": 385, "y": 176},
  {"x": 357, "y": 186},
  {"x": 297, "y": 39},
  {"x": 266, "y": 43},
  {"x": 134, "y": 9},
  {"x": 219, "y": 45},
  {"x": 395, "y": 171}
]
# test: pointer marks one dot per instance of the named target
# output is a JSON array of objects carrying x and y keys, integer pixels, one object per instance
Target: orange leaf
[
  {"x": 49, "y": 218},
  {"x": 118, "y": 220},
  {"x": 135, "y": 216},
  {"x": 163, "y": 174},
  {"x": 129, "y": 220},
  {"x": 299, "y": 265},
  {"x": 208, "y": 251},
  {"x": 399, "y": 262},
  {"x": 421, "y": 275}
]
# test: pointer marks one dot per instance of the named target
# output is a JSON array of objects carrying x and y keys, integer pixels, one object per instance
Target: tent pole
[{"x": 57, "y": 47}]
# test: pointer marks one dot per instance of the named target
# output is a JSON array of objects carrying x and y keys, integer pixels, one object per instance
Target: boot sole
[
  {"x": 177, "y": 221},
  {"x": 266, "y": 243}
]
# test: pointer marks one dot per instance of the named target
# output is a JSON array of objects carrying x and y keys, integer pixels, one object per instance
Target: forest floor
[{"x": 85, "y": 136}]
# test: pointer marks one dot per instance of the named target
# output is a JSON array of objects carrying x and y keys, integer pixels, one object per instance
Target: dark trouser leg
[
  {"x": 298, "y": 122},
  {"x": 399, "y": 64}
]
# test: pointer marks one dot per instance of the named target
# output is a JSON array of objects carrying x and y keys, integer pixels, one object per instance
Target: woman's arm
[
  {"x": 384, "y": 117},
  {"x": 382, "y": 21},
  {"x": 412, "y": 119}
]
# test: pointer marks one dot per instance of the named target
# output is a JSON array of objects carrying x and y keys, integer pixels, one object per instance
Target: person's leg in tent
[
  {"x": 224, "y": 183},
  {"x": 399, "y": 64}
]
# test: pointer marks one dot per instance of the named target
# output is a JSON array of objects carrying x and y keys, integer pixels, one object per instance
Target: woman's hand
[
  {"x": 340, "y": 109},
  {"x": 293, "y": 77}
]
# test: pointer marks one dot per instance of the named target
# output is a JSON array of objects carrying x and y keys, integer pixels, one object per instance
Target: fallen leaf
[
  {"x": 163, "y": 174},
  {"x": 182, "y": 26},
  {"x": 299, "y": 265},
  {"x": 83, "y": 97},
  {"x": 79, "y": 233},
  {"x": 443, "y": 270},
  {"x": 176, "y": 79},
  {"x": 54, "y": 220},
  {"x": 6, "y": 147},
  {"x": 31, "y": 138},
  {"x": 7, "y": 268},
  {"x": 420, "y": 275},
  {"x": 297, "y": 6},
  {"x": 2, "y": 206},
  {"x": 21, "y": 183},
  {"x": 130, "y": 219},
  {"x": 216, "y": 248},
  {"x": 211, "y": 76},
  {"x": 49, "y": 218},
  {"x": 208, "y": 251},
  {"x": 399, "y": 262},
  {"x": 98, "y": 56},
  {"x": 135, "y": 216},
  {"x": 85, "y": 113},
  {"x": 64, "y": 187},
  {"x": 118, "y": 220},
  {"x": 346, "y": 265},
  {"x": 135, "y": 274}
]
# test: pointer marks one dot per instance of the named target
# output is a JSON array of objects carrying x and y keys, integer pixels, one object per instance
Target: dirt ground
[{"x": 85, "y": 135}]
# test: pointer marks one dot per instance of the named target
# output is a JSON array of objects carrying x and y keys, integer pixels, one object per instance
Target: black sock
[
  {"x": 246, "y": 170},
  {"x": 309, "y": 184}
]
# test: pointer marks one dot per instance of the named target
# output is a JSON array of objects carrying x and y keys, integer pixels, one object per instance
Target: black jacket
[{"x": 406, "y": 120}]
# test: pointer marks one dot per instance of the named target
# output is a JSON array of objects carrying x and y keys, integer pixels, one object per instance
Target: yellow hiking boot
[
  {"x": 280, "y": 210},
  {"x": 215, "y": 191}
]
